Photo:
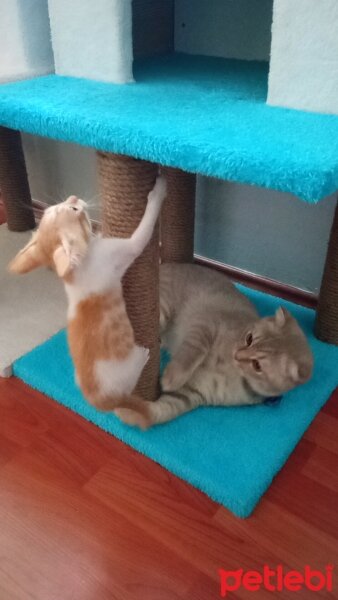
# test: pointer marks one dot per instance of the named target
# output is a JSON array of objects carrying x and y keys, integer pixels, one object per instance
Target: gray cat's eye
[
  {"x": 257, "y": 366},
  {"x": 249, "y": 339}
]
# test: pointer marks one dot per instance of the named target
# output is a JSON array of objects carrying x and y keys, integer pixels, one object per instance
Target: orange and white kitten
[{"x": 107, "y": 361}]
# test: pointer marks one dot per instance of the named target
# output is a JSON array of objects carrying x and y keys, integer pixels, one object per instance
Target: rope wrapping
[
  {"x": 178, "y": 217},
  {"x": 326, "y": 327},
  {"x": 125, "y": 184}
]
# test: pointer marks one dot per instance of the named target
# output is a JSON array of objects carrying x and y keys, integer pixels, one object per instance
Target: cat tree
[{"x": 190, "y": 113}]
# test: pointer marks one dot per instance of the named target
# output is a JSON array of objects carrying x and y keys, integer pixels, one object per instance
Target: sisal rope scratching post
[
  {"x": 125, "y": 184},
  {"x": 326, "y": 327},
  {"x": 178, "y": 217},
  {"x": 14, "y": 182}
]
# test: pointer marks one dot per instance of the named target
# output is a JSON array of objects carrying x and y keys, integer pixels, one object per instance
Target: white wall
[
  {"x": 57, "y": 170},
  {"x": 92, "y": 39},
  {"x": 304, "y": 55},
  {"x": 25, "y": 46},
  {"x": 262, "y": 231},
  {"x": 265, "y": 232},
  {"x": 258, "y": 230},
  {"x": 230, "y": 28}
]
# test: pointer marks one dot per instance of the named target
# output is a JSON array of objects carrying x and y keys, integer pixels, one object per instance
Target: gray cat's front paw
[{"x": 173, "y": 377}]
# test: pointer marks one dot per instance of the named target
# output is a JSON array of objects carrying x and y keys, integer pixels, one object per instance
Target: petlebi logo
[{"x": 276, "y": 580}]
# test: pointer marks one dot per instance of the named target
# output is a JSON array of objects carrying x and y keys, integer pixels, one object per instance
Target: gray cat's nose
[
  {"x": 241, "y": 354},
  {"x": 236, "y": 355}
]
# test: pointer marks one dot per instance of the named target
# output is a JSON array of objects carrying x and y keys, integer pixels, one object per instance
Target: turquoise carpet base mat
[
  {"x": 202, "y": 114},
  {"x": 231, "y": 454}
]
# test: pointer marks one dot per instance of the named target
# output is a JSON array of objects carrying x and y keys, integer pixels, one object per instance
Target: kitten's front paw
[
  {"x": 159, "y": 191},
  {"x": 173, "y": 377}
]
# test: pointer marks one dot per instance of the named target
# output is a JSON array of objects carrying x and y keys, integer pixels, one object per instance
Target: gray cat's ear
[
  {"x": 27, "y": 259},
  {"x": 282, "y": 316}
]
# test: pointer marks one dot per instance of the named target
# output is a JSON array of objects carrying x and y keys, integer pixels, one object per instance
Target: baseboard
[{"x": 264, "y": 284}]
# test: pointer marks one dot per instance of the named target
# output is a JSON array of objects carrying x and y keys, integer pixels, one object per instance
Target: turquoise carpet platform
[
  {"x": 231, "y": 454},
  {"x": 204, "y": 115}
]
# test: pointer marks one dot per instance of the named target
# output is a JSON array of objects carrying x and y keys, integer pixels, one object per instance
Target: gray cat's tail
[{"x": 170, "y": 405}]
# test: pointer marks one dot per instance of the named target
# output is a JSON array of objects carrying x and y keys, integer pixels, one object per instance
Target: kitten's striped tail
[{"x": 170, "y": 405}]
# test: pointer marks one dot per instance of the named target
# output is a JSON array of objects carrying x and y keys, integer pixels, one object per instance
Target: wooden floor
[{"x": 84, "y": 517}]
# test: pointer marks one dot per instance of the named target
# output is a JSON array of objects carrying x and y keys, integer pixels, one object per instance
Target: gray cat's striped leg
[
  {"x": 166, "y": 312},
  {"x": 168, "y": 407}
]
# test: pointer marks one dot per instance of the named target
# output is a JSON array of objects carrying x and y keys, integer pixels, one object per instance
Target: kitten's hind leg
[{"x": 169, "y": 406}]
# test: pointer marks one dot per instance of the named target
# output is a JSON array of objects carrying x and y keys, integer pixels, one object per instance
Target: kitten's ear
[
  {"x": 282, "y": 316},
  {"x": 62, "y": 261},
  {"x": 68, "y": 255},
  {"x": 27, "y": 259}
]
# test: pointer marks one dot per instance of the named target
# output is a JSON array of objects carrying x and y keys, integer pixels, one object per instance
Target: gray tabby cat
[{"x": 222, "y": 352}]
